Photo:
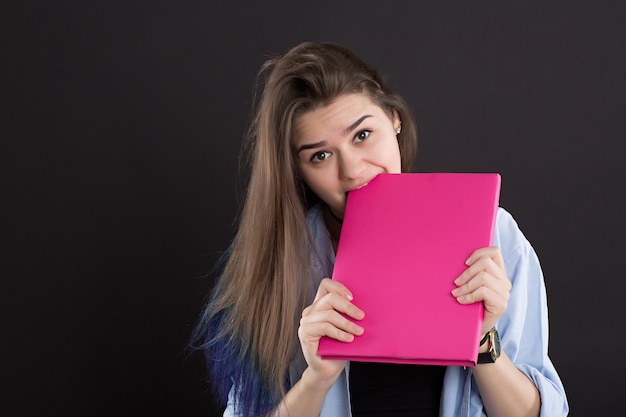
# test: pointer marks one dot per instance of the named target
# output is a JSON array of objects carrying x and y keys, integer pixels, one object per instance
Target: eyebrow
[
  {"x": 356, "y": 124},
  {"x": 347, "y": 130},
  {"x": 311, "y": 146}
]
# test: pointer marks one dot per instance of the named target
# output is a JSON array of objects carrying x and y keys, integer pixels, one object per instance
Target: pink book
[{"x": 405, "y": 239}]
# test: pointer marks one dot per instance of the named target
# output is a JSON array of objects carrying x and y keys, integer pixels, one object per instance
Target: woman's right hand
[{"x": 323, "y": 318}]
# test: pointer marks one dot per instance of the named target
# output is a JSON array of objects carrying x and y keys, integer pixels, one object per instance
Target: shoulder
[
  {"x": 519, "y": 255},
  {"x": 506, "y": 226},
  {"x": 318, "y": 234},
  {"x": 321, "y": 253},
  {"x": 314, "y": 218},
  {"x": 508, "y": 236}
]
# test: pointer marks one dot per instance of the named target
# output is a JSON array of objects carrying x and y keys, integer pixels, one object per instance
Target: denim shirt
[{"x": 523, "y": 329}]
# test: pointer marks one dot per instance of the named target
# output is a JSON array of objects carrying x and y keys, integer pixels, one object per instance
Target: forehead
[{"x": 335, "y": 117}]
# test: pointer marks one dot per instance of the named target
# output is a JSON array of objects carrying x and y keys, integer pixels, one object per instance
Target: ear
[{"x": 397, "y": 123}]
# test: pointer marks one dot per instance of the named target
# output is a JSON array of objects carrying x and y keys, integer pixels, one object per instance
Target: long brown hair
[{"x": 259, "y": 296}]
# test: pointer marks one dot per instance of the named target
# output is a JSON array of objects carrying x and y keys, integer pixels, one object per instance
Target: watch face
[{"x": 496, "y": 344}]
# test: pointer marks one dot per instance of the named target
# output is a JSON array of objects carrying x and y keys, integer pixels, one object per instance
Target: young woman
[{"x": 326, "y": 124}]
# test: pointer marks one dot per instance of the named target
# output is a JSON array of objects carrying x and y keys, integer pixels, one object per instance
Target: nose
[{"x": 351, "y": 166}]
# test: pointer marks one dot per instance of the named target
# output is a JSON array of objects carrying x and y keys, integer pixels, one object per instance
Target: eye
[
  {"x": 362, "y": 135},
  {"x": 320, "y": 156}
]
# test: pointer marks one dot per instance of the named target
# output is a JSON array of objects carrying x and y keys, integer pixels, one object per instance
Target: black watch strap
[
  {"x": 484, "y": 339},
  {"x": 486, "y": 357},
  {"x": 494, "y": 347}
]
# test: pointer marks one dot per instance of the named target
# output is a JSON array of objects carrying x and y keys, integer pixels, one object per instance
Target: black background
[{"x": 120, "y": 140}]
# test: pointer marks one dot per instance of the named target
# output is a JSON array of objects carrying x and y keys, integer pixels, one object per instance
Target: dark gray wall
[{"x": 120, "y": 133}]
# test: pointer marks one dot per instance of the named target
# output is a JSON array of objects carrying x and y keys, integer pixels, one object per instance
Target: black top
[{"x": 387, "y": 389}]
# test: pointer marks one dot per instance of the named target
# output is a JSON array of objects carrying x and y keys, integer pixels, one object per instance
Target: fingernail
[{"x": 349, "y": 297}]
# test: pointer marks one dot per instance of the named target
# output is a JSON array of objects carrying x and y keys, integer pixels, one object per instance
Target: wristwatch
[{"x": 494, "y": 347}]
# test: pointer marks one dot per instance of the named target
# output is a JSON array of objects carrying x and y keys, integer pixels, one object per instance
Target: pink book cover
[{"x": 404, "y": 240}]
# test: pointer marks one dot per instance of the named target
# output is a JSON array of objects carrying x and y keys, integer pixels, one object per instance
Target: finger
[
  {"x": 495, "y": 302},
  {"x": 312, "y": 333},
  {"x": 490, "y": 277},
  {"x": 482, "y": 264},
  {"x": 496, "y": 274},
  {"x": 485, "y": 288},
  {"x": 490, "y": 298},
  {"x": 327, "y": 286},
  {"x": 328, "y": 323},
  {"x": 472, "y": 272},
  {"x": 334, "y": 302},
  {"x": 492, "y": 252}
]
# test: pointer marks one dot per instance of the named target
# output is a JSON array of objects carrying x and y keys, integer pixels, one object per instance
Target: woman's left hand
[{"x": 486, "y": 281}]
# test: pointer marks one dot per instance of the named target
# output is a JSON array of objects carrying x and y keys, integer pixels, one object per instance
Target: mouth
[
  {"x": 358, "y": 187},
  {"x": 361, "y": 186}
]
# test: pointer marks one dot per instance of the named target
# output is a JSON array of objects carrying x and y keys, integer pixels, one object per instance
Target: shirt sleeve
[
  {"x": 229, "y": 411},
  {"x": 524, "y": 326}
]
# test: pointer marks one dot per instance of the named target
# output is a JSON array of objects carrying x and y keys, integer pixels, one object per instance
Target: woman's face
[{"x": 342, "y": 146}]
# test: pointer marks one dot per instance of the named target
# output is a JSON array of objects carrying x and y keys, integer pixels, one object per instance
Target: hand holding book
[
  {"x": 328, "y": 316},
  {"x": 486, "y": 281}
]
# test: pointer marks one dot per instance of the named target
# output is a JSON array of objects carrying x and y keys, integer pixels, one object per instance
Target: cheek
[
  {"x": 390, "y": 156},
  {"x": 316, "y": 180}
]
